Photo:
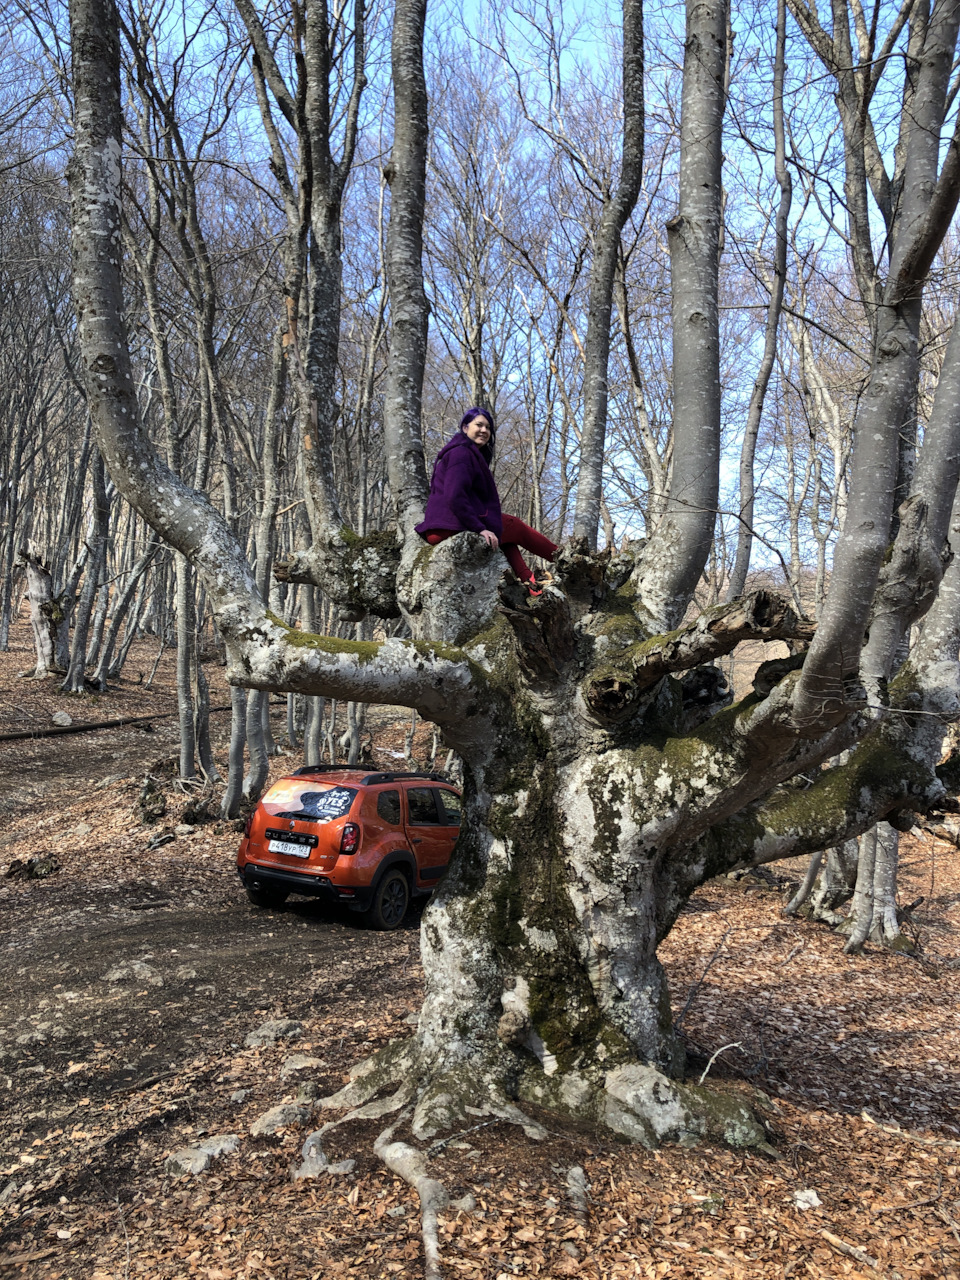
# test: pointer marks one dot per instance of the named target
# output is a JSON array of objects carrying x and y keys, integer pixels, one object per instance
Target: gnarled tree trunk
[{"x": 604, "y": 779}]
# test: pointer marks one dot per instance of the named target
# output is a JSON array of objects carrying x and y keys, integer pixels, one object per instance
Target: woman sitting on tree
[{"x": 463, "y": 497}]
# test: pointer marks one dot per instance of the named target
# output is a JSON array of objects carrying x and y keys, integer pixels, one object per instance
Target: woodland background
[{"x": 522, "y": 106}]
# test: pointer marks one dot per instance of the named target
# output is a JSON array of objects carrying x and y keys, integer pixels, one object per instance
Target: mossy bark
[
  {"x": 600, "y": 793},
  {"x": 586, "y": 829}
]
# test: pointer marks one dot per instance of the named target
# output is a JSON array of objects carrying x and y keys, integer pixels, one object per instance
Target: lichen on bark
[{"x": 603, "y": 781}]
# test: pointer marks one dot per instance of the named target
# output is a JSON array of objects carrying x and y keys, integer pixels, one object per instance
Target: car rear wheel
[
  {"x": 390, "y": 902},
  {"x": 267, "y": 897}
]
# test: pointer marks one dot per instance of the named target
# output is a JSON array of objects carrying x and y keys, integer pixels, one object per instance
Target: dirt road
[{"x": 117, "y": 994}]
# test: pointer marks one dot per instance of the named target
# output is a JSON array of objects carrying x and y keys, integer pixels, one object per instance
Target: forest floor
[{"x": 134, "y": 978}]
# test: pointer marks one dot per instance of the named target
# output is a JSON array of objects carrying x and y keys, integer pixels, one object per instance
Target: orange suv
[{"x": 368, "y": 839}]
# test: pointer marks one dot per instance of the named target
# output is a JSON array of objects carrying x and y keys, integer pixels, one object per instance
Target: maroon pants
[{"x": 516, "y": 534}]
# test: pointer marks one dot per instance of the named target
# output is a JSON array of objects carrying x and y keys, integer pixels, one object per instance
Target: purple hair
[{"x": 477, "y": 412}]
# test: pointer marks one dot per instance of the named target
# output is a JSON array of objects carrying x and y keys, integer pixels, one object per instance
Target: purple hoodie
[{"x": 463, "y": 494}]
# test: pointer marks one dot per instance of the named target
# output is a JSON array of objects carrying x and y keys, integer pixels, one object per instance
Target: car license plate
[{"x": 292, "y": 850}]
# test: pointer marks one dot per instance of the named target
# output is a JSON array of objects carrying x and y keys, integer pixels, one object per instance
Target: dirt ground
[{"x": 133, "y": 977}]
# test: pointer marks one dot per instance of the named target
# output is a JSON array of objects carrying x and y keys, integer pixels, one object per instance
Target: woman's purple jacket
[{"x": 463, "y": 494}]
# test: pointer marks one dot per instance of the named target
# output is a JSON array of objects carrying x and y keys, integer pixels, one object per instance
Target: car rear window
[
  {"x": 388, "y": 807},
  {"x": 311, "y": 801}
]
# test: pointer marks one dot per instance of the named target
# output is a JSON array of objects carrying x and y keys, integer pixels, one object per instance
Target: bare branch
[{"x": 612, "y": 690}]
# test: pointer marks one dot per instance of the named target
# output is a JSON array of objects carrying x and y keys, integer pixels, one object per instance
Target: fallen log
[{"x": 90, "y": 727}]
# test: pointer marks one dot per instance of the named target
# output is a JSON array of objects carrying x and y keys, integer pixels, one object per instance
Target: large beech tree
[{"x": 606, "y": 776}]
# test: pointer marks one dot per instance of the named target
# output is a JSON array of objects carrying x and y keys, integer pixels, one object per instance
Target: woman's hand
[{"x": 489, "y": 538}]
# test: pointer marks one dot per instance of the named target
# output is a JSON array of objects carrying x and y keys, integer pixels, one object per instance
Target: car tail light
[
  {"x": 350, "y": 840},
  {"x": 248, "y": 824}
]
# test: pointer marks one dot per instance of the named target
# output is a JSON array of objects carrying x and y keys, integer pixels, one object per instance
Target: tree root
[
  {"x": 578, "y": 1189},
  {"x": 446, "y": 1098},
  {"x": 640, "y": 1103},
  {"x": 395, "y": 1064},
  {"x": 806, "y": 887},
  {"x": 634, "y": 1100},
  {"x": 411, "y": 1165}
]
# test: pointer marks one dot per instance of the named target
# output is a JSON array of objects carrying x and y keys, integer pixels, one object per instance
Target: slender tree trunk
[
  {"x": 121, "y": 609},
  {"x": 406, "y": 174},
  {"x": 330, "y": 734},
  {"x": 9, "y": 499},
  {"x": 313, "y": 731},
  {"x": 738, "y": 577},
  {"x": 408, "y": 738},
  {"x": 350, "y": 742},
  {"x": 204, "y": 745},
  {"x": 253, "y": 783},
  {"x": 130, "y": 634},
  {"x": 99, "y": 622},
  {"x": 233, "y": 793},
  {"x": 677, "y": 552},
  {"x": 313, "y": 728},
  {"x": 186, "y": 666},
  {"x": 73, "y": 515},
  {"x": 66, "y": 603},
  {"x": 97, "y": 544},
  {"x": 606, "y": 253}
]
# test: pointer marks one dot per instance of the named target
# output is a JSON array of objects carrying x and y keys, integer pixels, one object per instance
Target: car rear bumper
[{"x": 297, "y": 882}]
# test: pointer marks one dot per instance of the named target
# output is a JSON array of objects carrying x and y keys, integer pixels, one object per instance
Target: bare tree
[
  {"x": 678, "y": 550},
  {"x": 604, "y": 780},
  {"x": 738, "y": 575},
  {"x": 617, "y": 206}
]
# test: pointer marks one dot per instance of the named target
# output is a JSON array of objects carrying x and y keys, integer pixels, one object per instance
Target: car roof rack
[
  {"x": 374, "y": 776},
  {"x": 331, "y": 768}
]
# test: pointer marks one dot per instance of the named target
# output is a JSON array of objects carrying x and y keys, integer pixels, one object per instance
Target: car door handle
[{"x": 417, "y": 840}]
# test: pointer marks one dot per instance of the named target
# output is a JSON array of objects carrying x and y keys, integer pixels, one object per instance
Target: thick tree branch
[
  {"x": 879, "y": 777},
  {"x": 894, "y": 767},
  {"x": 937, "y": 218},
  {"x": 258, "y": 38},
  {"x": 829, "y": 684},
  {"x": 738, "y": 575},
  {"x": 680, "y": 545},
  {"x": 611, "y": 691},
  {"x": 406, "y": 173},
  {"x": 358, "y": 574},
  {"x": 356, "y": 92},
  {"x": 439, "y": 680},
  {"x": 616, "y": 210},
  {"x": 907, "y": 588}
]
